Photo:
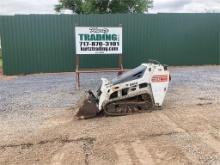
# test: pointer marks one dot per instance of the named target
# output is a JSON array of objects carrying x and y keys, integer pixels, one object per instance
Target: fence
[{"x": 45, "y": 43}]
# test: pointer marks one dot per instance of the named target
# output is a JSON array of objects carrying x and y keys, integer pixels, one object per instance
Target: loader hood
[{"x": 130, "y": 75}]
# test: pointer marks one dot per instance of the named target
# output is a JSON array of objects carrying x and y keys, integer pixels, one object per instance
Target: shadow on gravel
[{"x": 102, "y": 114}]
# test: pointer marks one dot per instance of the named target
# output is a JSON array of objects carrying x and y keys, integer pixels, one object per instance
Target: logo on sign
[{"x": 98, "y": 30}]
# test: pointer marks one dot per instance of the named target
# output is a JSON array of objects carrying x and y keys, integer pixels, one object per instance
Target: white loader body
[
  {"x": 142, "y": 88},
  {"x": 149, "y": 78}
]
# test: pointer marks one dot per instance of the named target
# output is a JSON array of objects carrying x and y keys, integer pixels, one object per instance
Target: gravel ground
[
  {"x": 37, "y": 124},
  {"x": 26, "y": 101}
]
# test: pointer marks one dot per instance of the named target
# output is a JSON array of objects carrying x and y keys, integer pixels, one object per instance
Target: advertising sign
[{"x": 98, "y": 40}]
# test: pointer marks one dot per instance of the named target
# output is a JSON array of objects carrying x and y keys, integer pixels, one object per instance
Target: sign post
[{"x": 98, "y": 40}]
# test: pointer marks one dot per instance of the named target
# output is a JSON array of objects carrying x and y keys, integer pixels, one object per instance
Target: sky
[{"x": 10, "y": 7}]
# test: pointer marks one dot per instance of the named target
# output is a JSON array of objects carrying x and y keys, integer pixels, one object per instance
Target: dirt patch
[
  {"x": 3, "y": 77},
  {"x": 160, "y": 137}
]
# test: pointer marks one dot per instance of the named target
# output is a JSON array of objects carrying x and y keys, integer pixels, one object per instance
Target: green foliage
[{"x": 105, "y": 6}]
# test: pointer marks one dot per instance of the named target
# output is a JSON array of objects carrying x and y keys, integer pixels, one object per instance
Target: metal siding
[
  {"x": 45, "y": 43},
  {"x": 218, "y": 38}
]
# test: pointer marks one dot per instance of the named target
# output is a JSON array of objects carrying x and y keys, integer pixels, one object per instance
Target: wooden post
[
  {"x": 120, "y": 66},
  {"x": 77, "y": 71},
  {"x": 120, "y": 59},
  {"x": 77, "y": 63}
]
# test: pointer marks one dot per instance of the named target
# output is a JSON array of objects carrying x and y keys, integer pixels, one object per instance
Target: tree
[{"x": 105, "y": 6}]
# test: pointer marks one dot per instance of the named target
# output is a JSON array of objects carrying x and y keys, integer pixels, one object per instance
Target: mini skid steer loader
[{"x": 137, "y": 90}]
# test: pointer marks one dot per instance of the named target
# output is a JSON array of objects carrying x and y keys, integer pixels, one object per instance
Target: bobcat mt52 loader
[{"x": 136, "y": 90}]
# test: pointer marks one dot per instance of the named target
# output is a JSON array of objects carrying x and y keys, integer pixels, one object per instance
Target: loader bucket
[{"x": 88, "y": 108}]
